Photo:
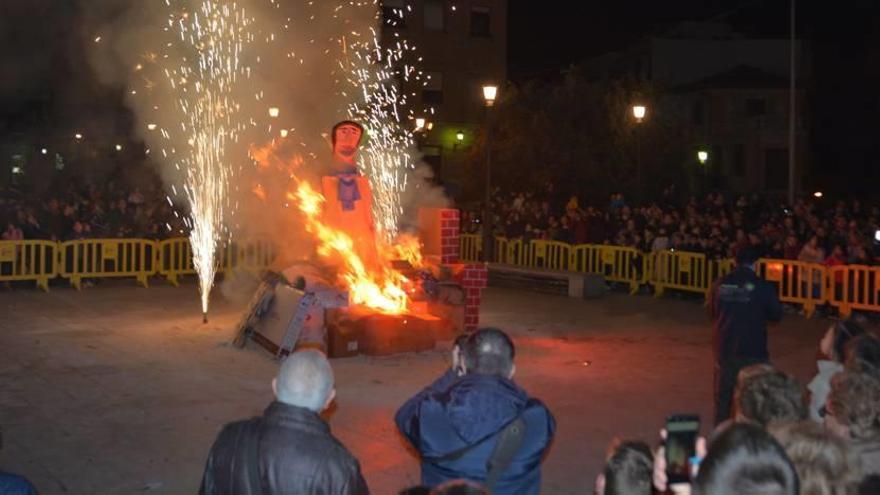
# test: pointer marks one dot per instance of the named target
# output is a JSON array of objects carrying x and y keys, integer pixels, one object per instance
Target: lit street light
[
  {"x": 639, "y": 111},
  {"x": 420, "y": 123},
  {"x": 284, "y": 133},
  {"x": 702, "y": 156},
  {"x": 490, "y": 93},
  {"x": 151, "y": 127},
  {"x": 273, "y": 112},
  {"x": 818, "y": 194},
  {"x": 459, "y": 136},
  {"x": 78, "y": 135},
  {"x": 118, "y": 147},
  {"x": 44, "y": 151}
]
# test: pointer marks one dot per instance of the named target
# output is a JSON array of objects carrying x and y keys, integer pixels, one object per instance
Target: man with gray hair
[{"x": 290, "y": 448}]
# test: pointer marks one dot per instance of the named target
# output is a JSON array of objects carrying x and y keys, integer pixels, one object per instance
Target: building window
[
  {"x": 756, "y": 107},
  {"x": 432, "y": 91},
  {"x": 393, "y": 14},
  {"x": 739, "y": 160},
  {"x": 435, "y": 15},
  {"x": 697, "y": 113},
  {"x": 481, "y": 22}
]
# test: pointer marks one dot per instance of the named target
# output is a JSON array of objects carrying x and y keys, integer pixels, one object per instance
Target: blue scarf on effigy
[{"x": 347, "y": 190}]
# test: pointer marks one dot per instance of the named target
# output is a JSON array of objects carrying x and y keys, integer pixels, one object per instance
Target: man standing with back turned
[
  {"x": 740, "y": 304},
  {"x": 475, "y": 423}
]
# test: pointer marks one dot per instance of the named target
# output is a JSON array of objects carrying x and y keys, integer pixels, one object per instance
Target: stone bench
[{"x": 572, "y": 284}]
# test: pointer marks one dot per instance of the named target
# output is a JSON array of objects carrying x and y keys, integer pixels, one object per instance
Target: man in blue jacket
[
  {"x": 741, "y": 304},
  {"x": 475, "y": 423}
]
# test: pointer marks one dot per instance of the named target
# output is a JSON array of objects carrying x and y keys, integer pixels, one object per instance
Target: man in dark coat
[
  {"x": 456, "y": 422},
  {"x": 741, "y": 304},
  {"x": 289, "y": 450}
]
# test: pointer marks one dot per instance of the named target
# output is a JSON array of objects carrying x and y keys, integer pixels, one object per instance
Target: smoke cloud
[{"x": 291, "y": 60}]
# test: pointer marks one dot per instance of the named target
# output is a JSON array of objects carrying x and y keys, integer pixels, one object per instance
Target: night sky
[{"x": 46, "y": 80}]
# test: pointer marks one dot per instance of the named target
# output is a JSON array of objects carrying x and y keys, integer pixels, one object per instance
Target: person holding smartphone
[{"x": 740, "y": 304}]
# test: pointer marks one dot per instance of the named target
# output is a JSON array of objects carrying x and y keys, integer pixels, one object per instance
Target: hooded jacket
[{"x": 454, "y": 413}]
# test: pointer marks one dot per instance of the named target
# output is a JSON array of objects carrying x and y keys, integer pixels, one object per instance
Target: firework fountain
[{"x": 205, "y": 79}]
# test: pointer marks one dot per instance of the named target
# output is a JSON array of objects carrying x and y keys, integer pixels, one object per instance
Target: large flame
[{"x": 380, "y": 288}]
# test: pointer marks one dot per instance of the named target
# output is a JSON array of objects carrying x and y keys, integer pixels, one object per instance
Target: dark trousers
[{"x": 725, "y": 383}]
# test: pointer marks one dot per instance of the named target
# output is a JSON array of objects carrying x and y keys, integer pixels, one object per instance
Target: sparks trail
[{"x": 204, "y": 80}]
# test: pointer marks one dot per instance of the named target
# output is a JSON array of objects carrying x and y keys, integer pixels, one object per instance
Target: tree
[{"x": 581, "y": 136}]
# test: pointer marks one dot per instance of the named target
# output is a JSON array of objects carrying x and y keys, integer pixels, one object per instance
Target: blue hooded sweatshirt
[{"x": 453, "y": 413}]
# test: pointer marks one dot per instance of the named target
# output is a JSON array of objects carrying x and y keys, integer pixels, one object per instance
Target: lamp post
[
  {"x": 490, "y": 92},
  {"x": 703, "y": 157},
  {"x": 639, "y": 112}
]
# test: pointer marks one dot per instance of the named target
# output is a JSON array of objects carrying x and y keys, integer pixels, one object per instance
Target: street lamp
[
  {"x": 639, "y": 111},
  {"x": 490, "y": 93},
  {"x": 459, "y": 136},
  {"x": 702, "y": 156},
  {"x": 420, "y": 123},
  {"x": 273, "y": 112},
  {"x": 818, "y": 194}
]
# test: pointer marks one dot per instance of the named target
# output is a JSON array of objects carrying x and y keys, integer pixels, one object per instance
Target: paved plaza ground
[{"x": 119, "y": 389}]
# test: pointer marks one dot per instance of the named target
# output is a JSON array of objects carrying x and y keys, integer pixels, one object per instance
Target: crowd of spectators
[
  {"x": 88, "y": 211},
  {"x": 814, "y": 230},
  {"x": 477, "y": 432}
]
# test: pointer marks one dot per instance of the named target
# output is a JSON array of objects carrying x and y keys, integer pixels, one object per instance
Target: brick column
[
  {"x": 450, "y": 241},
  {"x": 474, "y": 278}
]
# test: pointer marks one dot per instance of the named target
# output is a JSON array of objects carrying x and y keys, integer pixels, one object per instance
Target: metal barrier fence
[
  {"x": 854, "y": 287},
  {"x": 811, "y": 285},
  {"x": 103, "y": 258},
  {"x": 848, "y": 287},
  {"x": 81, "y": 260},
  {"x": 29, "y": 261}
]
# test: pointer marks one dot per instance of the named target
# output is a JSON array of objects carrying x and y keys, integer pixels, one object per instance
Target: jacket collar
[{"x": 293, "y": 416}]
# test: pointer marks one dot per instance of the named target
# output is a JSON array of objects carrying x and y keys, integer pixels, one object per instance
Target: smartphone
[{"x": 681, "y": 446}]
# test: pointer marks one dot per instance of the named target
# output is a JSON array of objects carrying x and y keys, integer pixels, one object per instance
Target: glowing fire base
[{"x": 351, "y": 332}]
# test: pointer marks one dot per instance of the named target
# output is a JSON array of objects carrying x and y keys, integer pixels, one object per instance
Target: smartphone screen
[{"x": 681, "y": 444}]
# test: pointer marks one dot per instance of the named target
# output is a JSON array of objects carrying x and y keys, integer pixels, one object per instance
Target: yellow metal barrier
[
  {"x": 680, "y": 270},
  {"x": 854, "y": 287},
  {"x": 104, "y": 258},
  {"x": 29, "y": 260},
  {"x": 796, "y": 282},
  {"x": 848, "y": 288},
  {"x": 253, "y": 256},
  {"x": 174, "y": 259},
  {"x": 615, "y": 263},
  {"x": 471, "y": 247}
]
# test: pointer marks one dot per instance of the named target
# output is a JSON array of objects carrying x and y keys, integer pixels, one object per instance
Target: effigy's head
[{"x": 346, "y": 138}]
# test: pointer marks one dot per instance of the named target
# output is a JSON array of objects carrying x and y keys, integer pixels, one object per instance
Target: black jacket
[
  {"x": 297, "y": 455},
  {"x": 741, "y": 303}
]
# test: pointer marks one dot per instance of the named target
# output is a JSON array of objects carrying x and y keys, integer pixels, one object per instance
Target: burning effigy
[{"x": 359, "y": 293}]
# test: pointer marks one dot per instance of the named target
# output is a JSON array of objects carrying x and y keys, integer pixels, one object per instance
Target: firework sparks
[
  {"x": 213, "y": 35},
  {"x": 375, "y": 71}
]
